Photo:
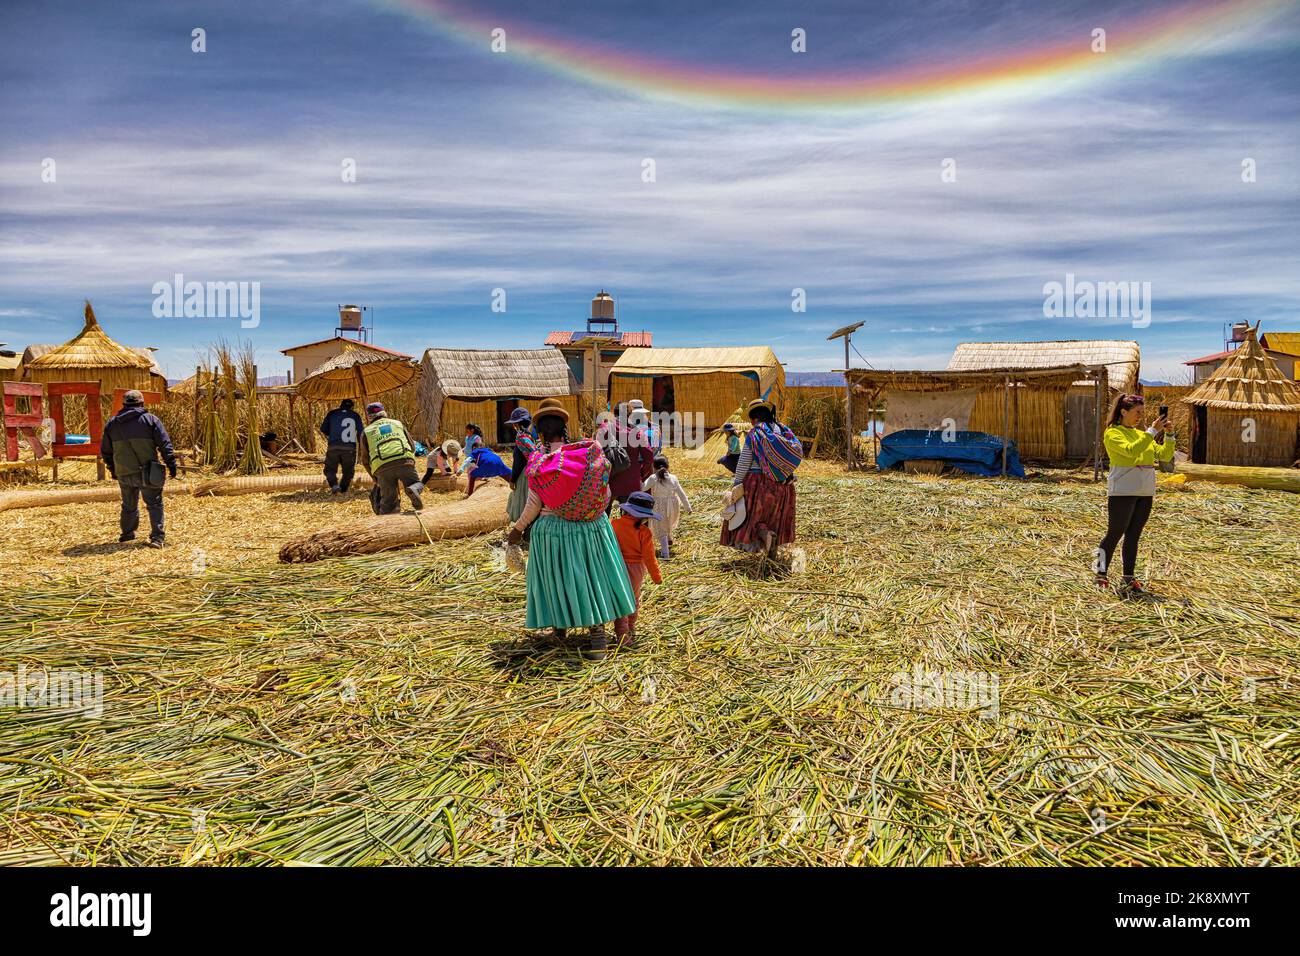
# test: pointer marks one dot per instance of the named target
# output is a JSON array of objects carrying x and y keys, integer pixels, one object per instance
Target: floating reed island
[{"x": 392, "y": 708}]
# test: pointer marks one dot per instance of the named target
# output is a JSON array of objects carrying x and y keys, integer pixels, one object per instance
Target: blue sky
[{"x": 478, "y": 171}]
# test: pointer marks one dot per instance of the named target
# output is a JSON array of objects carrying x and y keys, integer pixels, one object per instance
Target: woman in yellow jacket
[{"x": 1130, "y": 487}]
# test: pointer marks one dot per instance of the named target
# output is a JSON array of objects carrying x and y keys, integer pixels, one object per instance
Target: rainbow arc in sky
[{"x": 1132, "y": 43}]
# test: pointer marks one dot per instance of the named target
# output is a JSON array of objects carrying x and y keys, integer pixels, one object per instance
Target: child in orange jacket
[{"x": 638, "y": 546}]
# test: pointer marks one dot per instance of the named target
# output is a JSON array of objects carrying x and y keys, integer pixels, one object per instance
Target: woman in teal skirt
[{"x": 576, "y": 573}]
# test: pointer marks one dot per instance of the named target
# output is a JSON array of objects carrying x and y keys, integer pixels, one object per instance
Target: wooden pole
[
  {"x": 198, "y": 381},
  {"x": 848, "y": 405},
  {"x": 1006, "y": 416},
  {"x": 1096, "y": 431}
]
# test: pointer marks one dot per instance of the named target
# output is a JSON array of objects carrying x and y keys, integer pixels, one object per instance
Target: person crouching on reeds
[
  {"x": 576, "y": 576},
  {"x": 1130, "y": 487}
]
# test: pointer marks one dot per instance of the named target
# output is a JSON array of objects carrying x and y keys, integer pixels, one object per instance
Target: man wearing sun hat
[
  {"x": 132, "y": 443},
  {"x": 387, "y": 453}
]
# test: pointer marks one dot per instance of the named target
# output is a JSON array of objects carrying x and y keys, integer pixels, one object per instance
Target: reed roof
[
  {"x": 758, "y": 359},
  {"x": 91, "y": 349},
  {"x": 1122, "y": 358},
  {"x": 915, "y": 380},
  {"x": 1248, "y": 380},
  {"x": 498, "y": 373}
]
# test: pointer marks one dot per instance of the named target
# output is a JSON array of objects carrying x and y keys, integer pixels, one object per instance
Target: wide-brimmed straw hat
[
  {"x": 758, "y": 403},
  {"x": 550, "y": 406},
  {"x": 640, "y": 504},
  {"x": 451, "y": 448}
]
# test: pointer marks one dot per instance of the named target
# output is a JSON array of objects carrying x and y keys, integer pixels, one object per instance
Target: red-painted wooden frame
[
  {"x": 56, "y": 391},
  {"x": 26, "y": 424}
]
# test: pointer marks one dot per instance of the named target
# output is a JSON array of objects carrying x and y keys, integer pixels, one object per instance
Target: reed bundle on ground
[
  {"x": 483, "y": 512},
  {"x": 1274, "y": 479},
  {"x": 50, "y": 497},
  {"x": 393, "y": 709},
  {"x": 261, "y": 484}
]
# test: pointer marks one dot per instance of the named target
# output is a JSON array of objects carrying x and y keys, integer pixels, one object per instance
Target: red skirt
[{"x": 769, "y": 506}]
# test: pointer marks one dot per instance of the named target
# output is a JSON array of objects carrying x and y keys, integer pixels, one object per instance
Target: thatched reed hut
[
  {"x": 1057, "y": 420},
  {"x": 1024, "y": 405},
  {"x": 459, "y": 386},
  {"x": 1247, "y": 412},
  {"x": 10, "y": 365},
  {"x": 93, "y": 357},
  {"x": 713, "y": 382}
]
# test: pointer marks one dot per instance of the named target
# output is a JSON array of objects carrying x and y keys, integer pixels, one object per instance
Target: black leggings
[{"x": 1126, "y": 515}]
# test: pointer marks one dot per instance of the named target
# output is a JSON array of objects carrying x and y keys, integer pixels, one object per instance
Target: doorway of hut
[
  {"x": 1199, "y": 435},
  {"x": 662, "y": 398},
  {"x": 505, "y": 433}
]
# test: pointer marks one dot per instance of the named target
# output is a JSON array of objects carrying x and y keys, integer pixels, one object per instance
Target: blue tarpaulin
[{"x": 975, "y": 452}]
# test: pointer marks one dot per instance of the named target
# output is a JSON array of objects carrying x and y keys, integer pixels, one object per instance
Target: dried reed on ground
[{"x": 392, "y": 709}]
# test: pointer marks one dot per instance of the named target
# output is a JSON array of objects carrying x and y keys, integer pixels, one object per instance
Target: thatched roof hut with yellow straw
[
  {"x": 711, "y": 381},
  {"x": 1247, "y": 412},
  {"x": 93, "y": 357},
  {"x": 483, "y": 386}
]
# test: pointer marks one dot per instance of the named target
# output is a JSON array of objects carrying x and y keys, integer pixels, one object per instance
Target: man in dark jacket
[
  {"x": 133, "y": 441},
  {"x": 342, "y": 427}
]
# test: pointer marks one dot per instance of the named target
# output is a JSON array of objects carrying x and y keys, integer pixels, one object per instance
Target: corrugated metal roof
[
  {"x": 1216, "y": 357},
  {"x": 355, "y": 342},
  {"x": 1288, "y": 342},
  {"x": 625, "y": 339}
]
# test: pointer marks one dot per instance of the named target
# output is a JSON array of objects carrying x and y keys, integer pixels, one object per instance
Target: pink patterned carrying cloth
[{"x": 573, "y": 481}]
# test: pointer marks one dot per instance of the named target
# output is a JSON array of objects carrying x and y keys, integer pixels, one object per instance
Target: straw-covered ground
[{"x": 392, "y": 709}]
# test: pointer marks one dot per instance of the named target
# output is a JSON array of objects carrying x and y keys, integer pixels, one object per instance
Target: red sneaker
[{"x": 1134, "y": 591}]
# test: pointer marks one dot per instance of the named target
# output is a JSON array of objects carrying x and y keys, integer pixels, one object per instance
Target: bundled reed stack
[
  {"x": 816, "y": 415},
  {"x": 480, "y": 514},
  {"x": 251, "y": 463},
  {"x": 209, "y": 422},
  {"x": 1247, "y": 412},
  {"x": 225, "y": 455}
]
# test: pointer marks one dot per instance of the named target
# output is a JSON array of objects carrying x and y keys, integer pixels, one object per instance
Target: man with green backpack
[{"x": 387, "y": 452}]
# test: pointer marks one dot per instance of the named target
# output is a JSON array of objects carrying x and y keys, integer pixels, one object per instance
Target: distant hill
[
  {"x": 814, "y": 378},
  {"x": 1157, "y": 382}
]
